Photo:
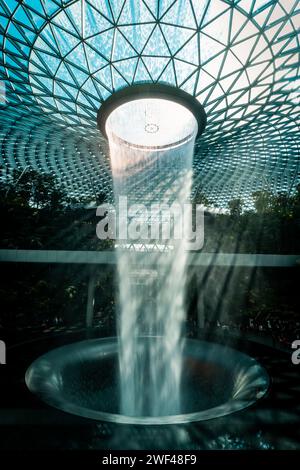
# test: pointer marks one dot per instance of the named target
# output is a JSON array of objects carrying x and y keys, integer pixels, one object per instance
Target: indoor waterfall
[{"x": 151, "y": 147}]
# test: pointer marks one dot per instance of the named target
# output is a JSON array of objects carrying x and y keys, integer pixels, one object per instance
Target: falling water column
[{"x": 151, "y": 147}]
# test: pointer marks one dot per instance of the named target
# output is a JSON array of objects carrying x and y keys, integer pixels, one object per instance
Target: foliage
[
  {"x": 29, "y": 188},
  {"x": 37, "y": 214},
  {"x": 235, "y": 207}
]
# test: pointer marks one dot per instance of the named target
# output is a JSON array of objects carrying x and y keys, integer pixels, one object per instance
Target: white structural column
[
  {"x": 90, "y": 298},
  {"x": 200, "y": 299}
]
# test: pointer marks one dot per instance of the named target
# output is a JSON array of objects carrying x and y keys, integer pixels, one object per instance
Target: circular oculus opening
[
  {"x": 165, "y": 114},
  {"x": 151, "y": 123}
]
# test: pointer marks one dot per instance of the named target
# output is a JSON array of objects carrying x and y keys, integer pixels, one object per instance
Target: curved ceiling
[{"x": 240, "y": 58}]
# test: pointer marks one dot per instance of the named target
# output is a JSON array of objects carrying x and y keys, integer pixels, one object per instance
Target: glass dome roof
[{"x": 240, "y": 58}]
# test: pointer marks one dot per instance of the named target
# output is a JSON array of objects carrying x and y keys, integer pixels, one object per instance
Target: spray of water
[{"x": 151, "y": 146}]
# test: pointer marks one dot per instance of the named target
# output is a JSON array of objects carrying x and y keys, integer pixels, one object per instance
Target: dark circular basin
[{"x": 83, "y": 378}]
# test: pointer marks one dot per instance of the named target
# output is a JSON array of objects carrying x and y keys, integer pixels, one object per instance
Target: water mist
[{"x": 149, "y": 374}]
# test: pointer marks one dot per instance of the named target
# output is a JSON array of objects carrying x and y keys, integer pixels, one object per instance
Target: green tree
[
  {"x": 201, "y": 198},
  {"x": 236, "y": 207},
  {"x": 31, "y": 188},
  {"x": 263, "y": 201}
]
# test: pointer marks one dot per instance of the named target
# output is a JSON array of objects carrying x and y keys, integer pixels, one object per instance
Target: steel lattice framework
[{"x": 240, "y": 58}]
